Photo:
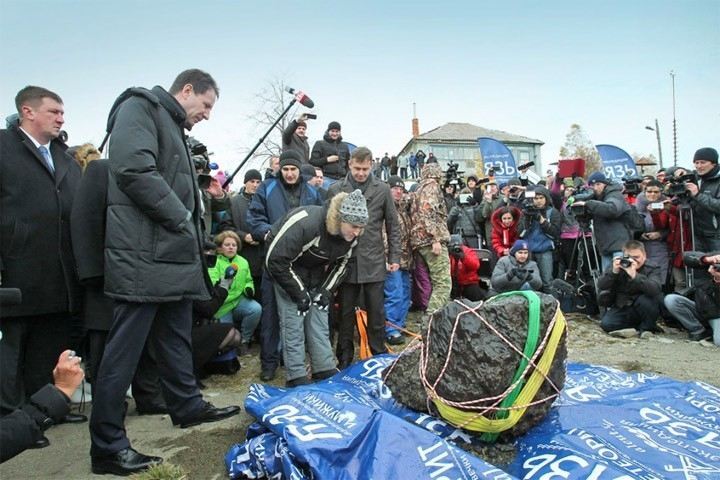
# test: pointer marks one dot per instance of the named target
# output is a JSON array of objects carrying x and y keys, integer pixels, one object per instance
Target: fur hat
[
  {"x": 290, "y": 157},
  {"x": 252, "y": 174},
  {"x": 354, "y": 209},
  {"x": 597, "y": 177},
  {"x": 707, "y": 153},
  {"x": 334, "y": 126},
  {"x": 519, "y": 245}
]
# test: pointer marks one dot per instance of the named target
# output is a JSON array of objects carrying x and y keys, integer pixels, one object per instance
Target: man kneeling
[
  {"x": 631, "y": 291},
  {"x": 309, "y": 250}
]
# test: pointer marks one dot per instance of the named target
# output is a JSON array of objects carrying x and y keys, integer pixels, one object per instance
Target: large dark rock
[{"x": 481, "y": 364}]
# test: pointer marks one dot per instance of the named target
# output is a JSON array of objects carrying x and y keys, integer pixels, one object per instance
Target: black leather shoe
[
  {"x": 296, "y": 382},
  {"x": 267, "y": 374},
  {"x": 395, "y": 339},
  {"x": 701, "y": 335},
  {"x": 74, "y": 418},
  {"x": 151, "y": 409},
  {"x": 124, "y": 463},
  {"x": 208, "y": 413},
  {"x": 325, "y": 374},
  {"x": 41, "y": 442}
]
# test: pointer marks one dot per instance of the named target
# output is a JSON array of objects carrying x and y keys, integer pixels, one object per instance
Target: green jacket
[{"x": 243, "y": 280}]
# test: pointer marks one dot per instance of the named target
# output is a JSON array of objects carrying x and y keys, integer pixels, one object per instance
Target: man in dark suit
[
  {"x": 37, "y": 185},
  {"x": 153, "y": 262}
]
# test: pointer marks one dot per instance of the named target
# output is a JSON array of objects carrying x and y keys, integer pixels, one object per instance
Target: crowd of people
[{"x": 160, "y": 274}]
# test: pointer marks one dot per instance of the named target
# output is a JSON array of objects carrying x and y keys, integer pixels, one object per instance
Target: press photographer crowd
[{"x": 141, "y": 268}]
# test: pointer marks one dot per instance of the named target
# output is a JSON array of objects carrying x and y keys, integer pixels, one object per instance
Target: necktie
[{"x": 46, "y": 156}]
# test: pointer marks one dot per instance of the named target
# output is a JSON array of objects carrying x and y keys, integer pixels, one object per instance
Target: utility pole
[
  {"x": 657, "y": 134},
  {"x": 672, "y": 74}
]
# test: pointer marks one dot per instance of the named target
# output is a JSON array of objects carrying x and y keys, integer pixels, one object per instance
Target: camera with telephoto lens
[
  {"x": 698, "y": 260},
  {"x": 626, "y": 261},
  {"x": 632, "y": 185},
  {"x": 201, "y": 160},
  {"x": 453, "y": 176}
]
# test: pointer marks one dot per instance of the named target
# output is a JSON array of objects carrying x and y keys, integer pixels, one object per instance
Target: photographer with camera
[
  {"x": 631, "y": 291},
  {"x": 294, "y": 137},
  {"x": 651, "y": 204},
  {"x": 680, "y": 226},
  {"x": 607, "y": 211},
  {"x": 464, "y": 265},
  {"x": 540, "y": 227},
  {"x": 515, "y": 271},
  {"x": 701, "y": 317},
  {"x": 705, "y": 200},
  {"x": 214, "y": 198},
  {"x": 464, "y": 219}
]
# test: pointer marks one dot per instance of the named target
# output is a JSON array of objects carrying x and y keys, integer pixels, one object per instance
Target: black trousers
[
  {"x": 29, "y": 349},
  {"x": 269, "y": 326},
  {"x": 371, "y": 298},
  {"x": 641, "y": 315},
  {"x": 167, "y": 326}
]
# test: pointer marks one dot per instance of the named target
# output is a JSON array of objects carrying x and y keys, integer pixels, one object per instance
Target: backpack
[{"x": 633, "y": 220}]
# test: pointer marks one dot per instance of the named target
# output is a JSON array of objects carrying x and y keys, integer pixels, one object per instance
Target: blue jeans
[
  {"x": 245, "y": 316},
  {"x": 544, "y": 262},
  {"x": 397, "y": 299}
]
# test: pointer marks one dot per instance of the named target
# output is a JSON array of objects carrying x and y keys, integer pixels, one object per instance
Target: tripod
[
  {"x": 584, "y": 252},
  {"x": 685, "y": 213}
]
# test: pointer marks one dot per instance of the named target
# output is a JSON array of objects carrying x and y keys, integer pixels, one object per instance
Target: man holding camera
[
  {"x": 540, "y": 227},
  {"x": 607, "y": 215},
  {"x": 294, "y": 137},
  {"x": 632, "y": 291},
  {"x": 705, "y": 200},
  {"x": 704, "y": 312}
]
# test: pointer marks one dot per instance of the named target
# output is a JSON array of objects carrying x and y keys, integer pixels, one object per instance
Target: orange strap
[{"x": 361, "y": 319}]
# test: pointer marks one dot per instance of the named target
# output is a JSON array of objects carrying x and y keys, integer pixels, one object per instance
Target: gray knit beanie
[{"x": 354, "y": 209}]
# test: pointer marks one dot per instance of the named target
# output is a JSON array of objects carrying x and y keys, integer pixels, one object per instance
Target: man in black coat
[
  {"x": 37, "y": 185},
  {"x": 154, "y": 265},
  {"x": 294, "y": 137},
  {"x": 331, "y": 154}
]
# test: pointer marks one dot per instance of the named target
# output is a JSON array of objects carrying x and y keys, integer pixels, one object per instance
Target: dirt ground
[{"x": 200, "y": 450}]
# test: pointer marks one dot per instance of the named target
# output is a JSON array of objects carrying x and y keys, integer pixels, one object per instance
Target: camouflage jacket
[{"x": 427, "y": 211}]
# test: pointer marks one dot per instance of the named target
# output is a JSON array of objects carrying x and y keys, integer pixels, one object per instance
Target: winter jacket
[
  {"x": 153, "y": 242},
  {"x": 655, "y": 221},
  {"x": 465, "y": 220},
  {"x": 291, "y": 141},
  {"x": 243, "y": 280},
  {"x": 610, "y": 230},
  {"x": 35, "y": 248},
  {"x": 486, "y": 212},
  {"x": 236, "y": 220},
  {"x": 503, "y": 237},
  {"x": 428, "y": 211},
  {"x": 465, "y": 270},
  {"x": 706, "y": 205},
  {"x": 505, "y": 279},
  {"x": 272, "y": 201},
  {"x": 306, "y": 253},
  {"x": 327, "y": 147},
  {"x": 680, "y": 236},
  {"x": 403, "y": 211},
  {"x": 624, "y": 290},
  {"x": 368, "y": 263}
]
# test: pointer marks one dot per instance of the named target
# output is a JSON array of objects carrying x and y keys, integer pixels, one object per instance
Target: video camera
[
  {"x": 632, "y": 184},
  {"x": 201, "y": 160},
  {"x": 698, "y": 260},
  {"x": 582, "y": 195},
  {"x": 528, "y": 206},
  {"x": 453, "y": 176},
  {"x": 677, "y": 187}
]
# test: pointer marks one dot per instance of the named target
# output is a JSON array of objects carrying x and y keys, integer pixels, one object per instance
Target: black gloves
[
  {"x": 248, "y": 292},
  {"x": 321, "y": 298},
  {"x": 303, "y": 305}
]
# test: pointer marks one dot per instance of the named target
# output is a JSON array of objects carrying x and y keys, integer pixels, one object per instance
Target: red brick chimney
[{"x": 415, "y": 124}]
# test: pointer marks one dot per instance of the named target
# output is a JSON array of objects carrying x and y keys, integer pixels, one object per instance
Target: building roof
[{"x": 454, "y": 132}]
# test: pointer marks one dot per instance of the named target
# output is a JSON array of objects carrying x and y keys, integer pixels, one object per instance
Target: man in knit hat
[
  {"x": 235, "y": 219},
  {"x": 331, "y": 154},
  {"x": 705, "y": 203},
  {"x": 368, "y": 266},
  {"x": 273, "y": 199},
  {"x": 306, "y": 278},
  {"x": 516, "y": 271}
]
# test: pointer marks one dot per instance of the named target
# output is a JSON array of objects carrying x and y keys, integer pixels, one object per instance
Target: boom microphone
[{"x": 301, "y": 97}]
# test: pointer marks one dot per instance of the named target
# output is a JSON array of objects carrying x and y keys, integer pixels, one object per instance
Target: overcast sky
[{"x": 527, "y": 67}]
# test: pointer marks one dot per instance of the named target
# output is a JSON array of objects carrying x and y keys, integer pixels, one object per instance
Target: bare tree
[{"x": 578, "y": 145}]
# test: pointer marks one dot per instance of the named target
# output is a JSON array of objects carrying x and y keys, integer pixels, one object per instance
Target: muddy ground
[{"x": 200, "y": 450}]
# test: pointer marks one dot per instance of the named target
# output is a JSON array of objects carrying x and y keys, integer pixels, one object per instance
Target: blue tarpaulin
[{"x": 607, "y": 424}]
